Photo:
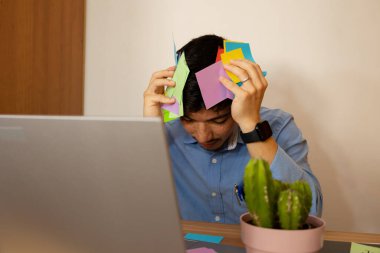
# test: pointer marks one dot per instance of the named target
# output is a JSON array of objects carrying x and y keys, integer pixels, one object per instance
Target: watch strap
[{"x": 261, "y": 132}]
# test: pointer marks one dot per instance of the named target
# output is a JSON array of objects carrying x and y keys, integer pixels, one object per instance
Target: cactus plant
[{"x": 272, "y": 203}]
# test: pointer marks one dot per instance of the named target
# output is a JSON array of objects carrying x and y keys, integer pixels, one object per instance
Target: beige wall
[{"x": 323, "y": 63}]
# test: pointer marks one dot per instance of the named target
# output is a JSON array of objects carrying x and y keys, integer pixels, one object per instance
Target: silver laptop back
[{"x": 84, "y": 184}]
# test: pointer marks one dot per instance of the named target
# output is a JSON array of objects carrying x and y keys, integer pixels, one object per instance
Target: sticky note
[
  {"x": 175, "y": 51},
  {"x": 172, "y": 107},
  {"x": 360, "y": 248},
  {"x": 166, "y": 116},
  {"x": 220, "y": 51},
  {"x": 180, "y": 76},
  {"x": 232, "y": 55},
  {"x": 201, "y": 250},
  {"x": 246, "y": 49},
  {"x": 204, "y": 238},
  {"x": 212, "y": 90}
]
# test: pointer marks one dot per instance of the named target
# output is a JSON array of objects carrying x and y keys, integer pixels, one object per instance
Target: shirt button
[
  {"x": 213, "y": 194},
  {"x": 214, "y": 160},
  {"x": 217, "y": 218}
]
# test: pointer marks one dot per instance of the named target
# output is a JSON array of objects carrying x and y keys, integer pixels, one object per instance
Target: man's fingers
[
  {"x": 163, "y": 82},
  {"x": 242, "y": 75},
  {"x": 253, "y": 74},
  {"x": 162, "y": 99},
  {"x": 262, "y": 77},
  {"x": 163, "y": 74},
  {"x": 233, "y": 87},
  {"x": 238, "y": 71},
  {"x": 157, "y": 85}
]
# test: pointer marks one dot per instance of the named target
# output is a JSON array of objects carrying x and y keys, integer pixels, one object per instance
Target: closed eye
[
  {"x": 220, "y": 120},
  {"x": 184, "y": 118}
]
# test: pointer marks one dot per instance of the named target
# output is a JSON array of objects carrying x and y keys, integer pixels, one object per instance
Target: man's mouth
[{"x": 209, "y": 144}]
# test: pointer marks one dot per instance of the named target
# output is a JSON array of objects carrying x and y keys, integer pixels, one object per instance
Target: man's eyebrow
[
  {"x": 220, "y": 116},
  {"x": 217, "y": 117}
]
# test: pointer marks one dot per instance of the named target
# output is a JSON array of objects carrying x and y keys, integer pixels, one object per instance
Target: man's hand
[
  {"x": 245, "y": 108},
  {"x": 154, "y": 95}
]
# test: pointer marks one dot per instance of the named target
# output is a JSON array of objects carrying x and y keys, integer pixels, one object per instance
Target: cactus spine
[{"x": 273, "y": 203}]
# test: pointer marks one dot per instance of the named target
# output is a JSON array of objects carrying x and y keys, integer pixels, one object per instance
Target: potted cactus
[{"x": 278, "y": 219}]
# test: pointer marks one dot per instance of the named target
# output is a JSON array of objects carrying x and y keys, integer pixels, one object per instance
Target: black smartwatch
[{"x": 261, "y": 132}]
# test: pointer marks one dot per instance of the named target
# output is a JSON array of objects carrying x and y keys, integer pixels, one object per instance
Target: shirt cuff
[{"x": 283, "y": 167}]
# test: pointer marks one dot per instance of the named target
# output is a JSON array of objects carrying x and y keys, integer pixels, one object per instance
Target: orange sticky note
[
  {"x": 232, "y": 55},
  {"x": 220, "y": 51}
]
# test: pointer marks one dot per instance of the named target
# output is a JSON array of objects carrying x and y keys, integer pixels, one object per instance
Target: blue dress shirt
[{"x": 205, "y": 179}]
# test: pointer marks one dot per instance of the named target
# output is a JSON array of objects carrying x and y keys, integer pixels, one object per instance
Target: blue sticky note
[
  {"x": 175, "y": 51},
  {"x": 204, "y": 238},
  {"x": 231, "y": 45}
]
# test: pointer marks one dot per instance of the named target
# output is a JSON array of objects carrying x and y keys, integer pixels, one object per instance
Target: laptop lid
[{"x": 86, "y": 184}]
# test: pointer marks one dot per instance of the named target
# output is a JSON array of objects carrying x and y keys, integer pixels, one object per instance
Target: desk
[{"x": 231, "y": 233}]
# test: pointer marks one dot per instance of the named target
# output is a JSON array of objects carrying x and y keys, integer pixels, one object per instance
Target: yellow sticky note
[
  {"x": 360, "y": 248},
  {"x": 232, "y": 55}
]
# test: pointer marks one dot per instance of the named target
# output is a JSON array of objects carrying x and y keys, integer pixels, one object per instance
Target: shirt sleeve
[{"x": 290, "y": 162}]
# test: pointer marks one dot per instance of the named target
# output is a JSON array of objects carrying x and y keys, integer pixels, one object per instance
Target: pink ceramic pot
[{"x": 267, "y": 240}]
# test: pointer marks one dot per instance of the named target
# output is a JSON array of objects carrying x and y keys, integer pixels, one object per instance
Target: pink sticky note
[
  {"x": 212, "y": 90},
  {"x": 201, "y": 250},
  {"x": 174, "y": 108}
]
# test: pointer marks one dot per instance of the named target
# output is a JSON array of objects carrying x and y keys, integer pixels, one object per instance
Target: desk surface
[{"x": 231, "y": 233}]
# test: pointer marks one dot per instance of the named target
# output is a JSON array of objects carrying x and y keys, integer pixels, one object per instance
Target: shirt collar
[
  {"x": 234, "y": 139},
  {"x": 188, "y": 139}
]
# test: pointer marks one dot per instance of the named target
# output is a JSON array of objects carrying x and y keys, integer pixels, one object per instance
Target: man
[{"x": 210, "y": 148}]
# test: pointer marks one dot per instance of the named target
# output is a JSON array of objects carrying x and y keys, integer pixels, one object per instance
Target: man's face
[{"x": 210, "y": 128}]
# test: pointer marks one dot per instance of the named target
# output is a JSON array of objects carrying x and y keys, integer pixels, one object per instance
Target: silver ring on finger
[{"x": 246, "y": 79}]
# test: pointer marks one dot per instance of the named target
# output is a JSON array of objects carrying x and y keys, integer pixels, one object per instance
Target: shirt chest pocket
[{"x": 239, "y": 206}]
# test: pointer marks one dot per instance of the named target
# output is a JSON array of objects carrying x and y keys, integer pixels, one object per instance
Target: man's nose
[{"x": 204, "y": 133}]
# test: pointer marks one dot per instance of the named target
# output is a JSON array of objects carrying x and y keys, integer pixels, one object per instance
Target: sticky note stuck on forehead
[
  {"x": 212, "y": 90},
  {"x": 232, "y": 55}
]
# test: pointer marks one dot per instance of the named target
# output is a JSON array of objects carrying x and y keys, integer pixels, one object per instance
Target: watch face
[{"x": 263, "y": 130}]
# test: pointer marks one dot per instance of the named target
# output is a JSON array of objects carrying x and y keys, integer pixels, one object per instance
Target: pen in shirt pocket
[{"x": 239, "y": 192}]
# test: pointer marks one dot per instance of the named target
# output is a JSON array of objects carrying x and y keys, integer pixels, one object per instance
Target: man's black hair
[{"x": 200, "y": 53}]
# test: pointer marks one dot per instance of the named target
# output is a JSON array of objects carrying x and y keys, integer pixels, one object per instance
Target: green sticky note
[
  {"x": 360, "y": 248},
  {"x": 180, "y": 76},
  {"x": 172, "y": 116},
  {"x": 168, "y": 116}
]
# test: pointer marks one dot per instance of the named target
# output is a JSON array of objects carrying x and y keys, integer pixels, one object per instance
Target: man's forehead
[{"x": 204, "y": 115}]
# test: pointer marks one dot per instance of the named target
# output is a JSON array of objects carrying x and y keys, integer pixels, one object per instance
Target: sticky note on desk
[
  {"x": 201, "y": 250},
  {"x": 360, "y": 248},
  {"x": 204, "y": 238}
]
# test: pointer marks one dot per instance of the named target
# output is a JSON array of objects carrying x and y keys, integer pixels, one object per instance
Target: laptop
[{"x": 86, "y": 184}]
